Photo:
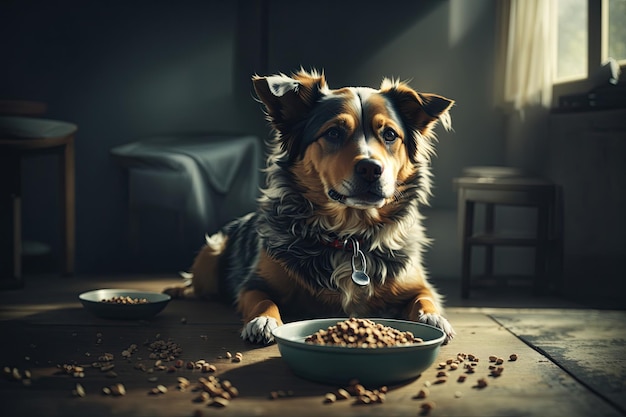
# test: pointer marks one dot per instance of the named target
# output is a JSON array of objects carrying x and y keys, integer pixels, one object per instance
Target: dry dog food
[
  {"x": 362, "y": 395},
  {"x": 362, "y": 333},
  {"x": 124, "y": 299},
  {"x": 427, "y": 407}
]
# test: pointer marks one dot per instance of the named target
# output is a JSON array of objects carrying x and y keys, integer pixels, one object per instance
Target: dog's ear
[
  {"x": 288, "y": 101},
  {"x": 420, "y": 113}
]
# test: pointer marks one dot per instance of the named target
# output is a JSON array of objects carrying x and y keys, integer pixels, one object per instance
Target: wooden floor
[{"x": 571, "y": 359}]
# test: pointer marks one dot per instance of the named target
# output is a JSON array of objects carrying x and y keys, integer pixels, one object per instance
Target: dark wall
[
  {"x": 123, "y": 71},
  {"x": 120, "y": 71}
]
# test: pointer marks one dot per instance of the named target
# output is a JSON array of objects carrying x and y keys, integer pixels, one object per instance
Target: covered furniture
[
  {"x": 21, "y": 137},
  {"x": 504, "y": 186},
  {"x": 201, "y": 181}
]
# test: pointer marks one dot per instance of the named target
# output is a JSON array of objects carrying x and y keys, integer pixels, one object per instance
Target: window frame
[{"x": 597, "y": 51}]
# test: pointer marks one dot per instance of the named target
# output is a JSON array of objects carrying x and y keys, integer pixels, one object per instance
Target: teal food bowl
[
  {"x": 92, "y": 301},
  {"x": 371, "y": 366}
]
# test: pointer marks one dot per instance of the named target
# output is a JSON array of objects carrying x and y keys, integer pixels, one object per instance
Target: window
[
  {"x": 616, "y": 36},
  {"x": 571, "y": 58},
  {"x": 588, "y": 33}
]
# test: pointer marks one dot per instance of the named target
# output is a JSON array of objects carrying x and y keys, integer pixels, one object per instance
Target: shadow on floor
[{"x": 516, "y": 297}]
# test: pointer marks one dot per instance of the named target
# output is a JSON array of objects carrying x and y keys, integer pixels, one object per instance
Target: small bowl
[
  {"x": 371, "y": 366},
  {"x": 92, "y": 301}
]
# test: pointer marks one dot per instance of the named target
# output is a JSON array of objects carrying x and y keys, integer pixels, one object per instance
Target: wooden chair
[
  {"x": 21, "y": 137},
  {"x": 495, "y": 186}
]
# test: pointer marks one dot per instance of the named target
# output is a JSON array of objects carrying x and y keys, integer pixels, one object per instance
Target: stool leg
[
  {"x": 467, "y": 228},
  {"x": 555, "y": 241},
  {"x": 541, "y": 248},
  {"x": 68, "y": 220},
  {"x": 10, "y": 222},
  {"x": 489, "y": 227}
]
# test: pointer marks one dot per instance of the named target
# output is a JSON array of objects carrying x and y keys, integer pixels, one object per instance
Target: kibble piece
[
  {"x": 513, "y": 357},
  {"x": 427, "y": 406},
  {"x": 492, "y": 358},
  {"x": 481, "y": 383},
  {"x": 441, "y": 374},
  {"x": 79, "y": 391},
  {"x": 232, "y": 391},
  {"x": 224, "y": 394},
  {"x": 363, "y": 399},
  {"x": 461, "y": 378},
  {"x": 118, "y": 390},
  {"x": 499, "y": 361},
  {"x": 202, "y": 397},
  {"x": 342, "y": 394},
  {"x": 497, "y": 371},
  {"x": 423, "y": 393},
  {"x": 330, "y": 398},
  {"x": 219, "y": 402},
  {"x": 358, "y": 389}
]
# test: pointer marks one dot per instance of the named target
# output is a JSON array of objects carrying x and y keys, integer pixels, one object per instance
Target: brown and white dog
[{"x": 338, "y": 229}]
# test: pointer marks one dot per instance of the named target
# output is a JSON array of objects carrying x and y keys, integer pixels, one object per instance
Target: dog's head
[{"x": 354, "y": 147}]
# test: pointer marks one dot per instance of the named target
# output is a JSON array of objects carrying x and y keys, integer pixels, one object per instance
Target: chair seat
[{"x": 16, "y": 127}]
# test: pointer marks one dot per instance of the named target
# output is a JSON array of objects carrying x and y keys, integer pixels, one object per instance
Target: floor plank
[{"x": 590, "y": 344}]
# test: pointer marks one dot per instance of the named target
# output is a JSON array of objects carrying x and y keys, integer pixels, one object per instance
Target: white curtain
[{"x": 526, "y": 52}]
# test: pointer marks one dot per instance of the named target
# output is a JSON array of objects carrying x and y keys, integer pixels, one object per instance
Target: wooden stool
[
  {"x": 494, "y": 186},
  {"x": 21, "y": 137}
]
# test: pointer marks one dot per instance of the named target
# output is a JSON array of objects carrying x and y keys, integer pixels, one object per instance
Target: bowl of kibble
[
  {"x": 373, "y": 351},
  {"x": 124, "y": 304}
]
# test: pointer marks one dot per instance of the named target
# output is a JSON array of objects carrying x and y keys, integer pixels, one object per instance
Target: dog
[{"x": 338, "y": 230}]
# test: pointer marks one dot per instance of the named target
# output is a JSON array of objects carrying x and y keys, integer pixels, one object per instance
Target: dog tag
[{"x": 359, "y": 276}]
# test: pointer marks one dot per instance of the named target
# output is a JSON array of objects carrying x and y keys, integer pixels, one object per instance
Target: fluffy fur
[{"x": 345, "y": 166}]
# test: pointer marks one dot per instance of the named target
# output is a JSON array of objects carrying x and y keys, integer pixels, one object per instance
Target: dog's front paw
[
  {"x": 438, "y": 321},
  {"x": 259, "y": 330}
]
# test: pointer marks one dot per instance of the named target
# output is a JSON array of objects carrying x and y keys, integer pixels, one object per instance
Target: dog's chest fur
[{"x": 294, "y": 234}]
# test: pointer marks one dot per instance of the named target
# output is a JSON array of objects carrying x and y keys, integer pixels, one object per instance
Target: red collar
[{"x": 342, "y": 244}]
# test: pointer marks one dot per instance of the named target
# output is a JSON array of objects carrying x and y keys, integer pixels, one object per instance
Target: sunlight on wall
[{"x": 463, "y": 16}]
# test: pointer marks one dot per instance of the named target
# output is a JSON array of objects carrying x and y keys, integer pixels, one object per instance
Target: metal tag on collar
[{"x": 359, "y": 276}]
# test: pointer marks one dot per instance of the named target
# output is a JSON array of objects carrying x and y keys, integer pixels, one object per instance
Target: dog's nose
[{"x": 369, "y": 169}]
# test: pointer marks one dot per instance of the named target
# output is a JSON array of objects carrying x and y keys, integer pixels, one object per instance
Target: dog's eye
[
  {"x": 389, "y": 135},
  {"x": 334, "y": 134}
]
